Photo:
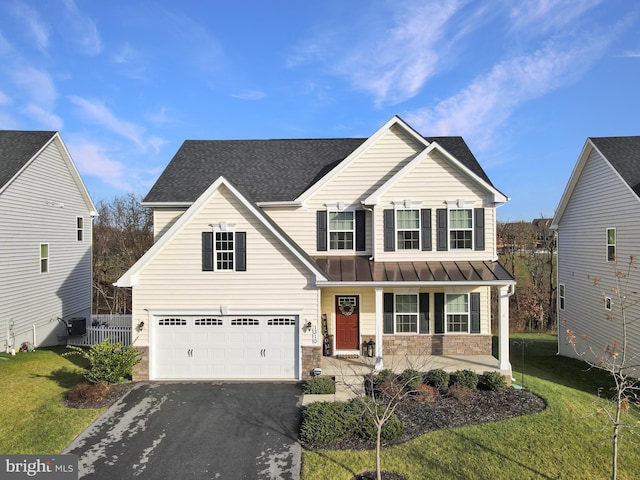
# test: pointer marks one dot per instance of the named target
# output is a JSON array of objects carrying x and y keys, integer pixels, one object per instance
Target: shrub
[
  {"x": 460, "y": 392},
  {"x": 361, "y": 419},
  {"x": 385, "y": 375},
  {"x": 108, "y": 362},
  {"x": 87, "y": 392},
  {"x": 411, "y": 379},
  {"x": 437, "y": 378},
  {"x": 319, "y": 386},
  {"x": 468, "y": 378},
  {"x": 426, "y": 394},
  {"x": 492, "y": 381},
  {"x": 323, "y": 422}
]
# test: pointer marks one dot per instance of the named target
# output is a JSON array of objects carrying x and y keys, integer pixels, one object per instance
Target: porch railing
[{"x": 115, "y": 327}]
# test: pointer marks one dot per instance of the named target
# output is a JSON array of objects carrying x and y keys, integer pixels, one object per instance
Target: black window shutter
[
  {"x": 424, "y": 312},
  {"x": 241, "y": 251},
  {"x": 389, "y": 230},
  {"x": 425, "y": 219},
  {"x": 441, "y": 226},
  {"x": 475, "y": 312},
  {"x": 361, "y": 235},
  {"x": 388, "y": 313},
  {"x": 321, "y": 218},
  {"x": 207, "y": 251},
  {"x": 478, "y": 232},
  {"x": 438, "y": 305}
]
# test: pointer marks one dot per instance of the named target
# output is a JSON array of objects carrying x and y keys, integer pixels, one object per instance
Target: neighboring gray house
[
  {"x": 598, "y": 229},
  {"x": 45, "y": 239}
]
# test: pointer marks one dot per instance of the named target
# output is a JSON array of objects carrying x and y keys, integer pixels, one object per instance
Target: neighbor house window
[
  {"x": 44, "y": 257},
  {"x": 611, "y": 244},
  {"x": 224, "y": 249},
  {"x": 607, "y": 303},
  {"x": 341, "y": 230},
  {"x": 80, "y": 228},
  {"x": 461, "y": 229},
  {"x": 406, "y": 313},
  {"x": 408, "y": 229},
  {"x": 457, "y": 312},
  {"x": 561, "y": 296}
]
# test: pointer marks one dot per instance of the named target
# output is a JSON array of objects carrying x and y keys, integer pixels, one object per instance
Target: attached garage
[{"x": 224, "y": 347}]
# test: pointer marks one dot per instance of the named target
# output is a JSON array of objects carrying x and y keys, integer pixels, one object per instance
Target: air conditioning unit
[{"x": 77, "y": 327}]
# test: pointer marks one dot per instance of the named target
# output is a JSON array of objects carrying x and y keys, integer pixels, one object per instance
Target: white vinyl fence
[{"x": 115, "y": 327}]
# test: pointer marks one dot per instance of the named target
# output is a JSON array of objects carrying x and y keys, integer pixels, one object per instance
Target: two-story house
[
  {"x": 598, "y": 232},
  {"x": 264, "y": 246},
  {"x": 45, "y": 239}
]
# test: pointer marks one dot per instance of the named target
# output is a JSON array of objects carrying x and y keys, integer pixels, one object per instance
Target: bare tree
[
  {"x": 617, "y": 359},
  {"x": 122, "y": 233}
]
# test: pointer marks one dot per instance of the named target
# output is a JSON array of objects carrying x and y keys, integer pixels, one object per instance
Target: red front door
[{"x": 347, "y": 314}]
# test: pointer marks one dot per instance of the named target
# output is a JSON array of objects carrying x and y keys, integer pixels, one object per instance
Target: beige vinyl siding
[
  {"x": 432, "y": 183},
  {"x": 42, "y": 206},
  {"x": 351, "y": 186},
  {"x": 368, "y": 308},
  {"x": 163, "y": 219},
  {"x": 274, "y": 280},
  {"x": 600, "y": 200}
]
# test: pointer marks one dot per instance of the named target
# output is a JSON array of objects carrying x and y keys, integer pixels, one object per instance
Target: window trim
[
  {"x": 470, "y": 230},
  {"x": 396, "y": 313},
  {"x": 561, "y": 296},
  {"x": 610, "y": 257},
  {"x": 447, "y": 313},
  {"x": 44, "y": 259},
  {"x": 418, "y": 229},
  {"x": 80, "y": 229},
  {"x": 216, "y": 268},
  {"x": 352, "y": 231}
]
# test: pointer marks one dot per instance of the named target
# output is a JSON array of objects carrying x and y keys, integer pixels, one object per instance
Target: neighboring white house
[
  {"x": 263, "y": 246},
  {"x": 45, "y": 239},
  {"x": 598, "y": 230}
]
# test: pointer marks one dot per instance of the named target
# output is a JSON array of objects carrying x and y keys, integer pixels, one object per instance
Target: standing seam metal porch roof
[{"x": 362, "y": 269}]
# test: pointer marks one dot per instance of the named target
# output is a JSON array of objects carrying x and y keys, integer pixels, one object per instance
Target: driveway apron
[{"x": 196, "y": 430}]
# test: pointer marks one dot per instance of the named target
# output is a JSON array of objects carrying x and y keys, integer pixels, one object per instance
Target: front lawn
[
  {"x": 33, "y": 418},
  {"x": 567, "y": 440}
]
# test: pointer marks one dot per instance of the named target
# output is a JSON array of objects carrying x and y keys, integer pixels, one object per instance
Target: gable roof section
[
  {"x": 276, "y": 170},
  {"x": 17, "y": 148},
  {"x": 129, "y": 279},
  {"x": 621, "y": 153}
]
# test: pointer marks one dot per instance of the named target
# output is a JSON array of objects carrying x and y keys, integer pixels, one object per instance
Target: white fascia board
[
  {"x": 129, "y": 278},
  {"x": 166, "y": 204},
  {"x": 395, "y": 120},
  {"x": 490, "y": 283},
  {"x": 573, "y": 180},
  {"x": 291, "y": 204}
]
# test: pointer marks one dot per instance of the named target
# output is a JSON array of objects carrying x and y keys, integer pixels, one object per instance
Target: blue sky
[{"x": 126, "y": 82}]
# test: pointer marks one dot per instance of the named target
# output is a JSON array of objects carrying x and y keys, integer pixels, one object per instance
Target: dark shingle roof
[
  {"x": 17, "y": 148},
  {"x": 623, "y": 153},
  {"x": 267, "y": 170}
]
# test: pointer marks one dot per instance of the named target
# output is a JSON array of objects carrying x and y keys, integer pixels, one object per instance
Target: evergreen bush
[{"x": 108, "y": 362}]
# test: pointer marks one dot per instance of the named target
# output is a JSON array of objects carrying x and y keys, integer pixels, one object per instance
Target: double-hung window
[
  {"x": 341, "y": 230},
  {"x": 406, "y": 313},
  {"x": 44, "y": 258},
  {"x": 79, "y": 228},
  {"x": 611, "y": 244},
  {"x": 224, "y": 249},
  {"x": 457, "y": 311},
  {"x": 561, "y": 294},
  {"x": 408, "y": 229},
  {"x": 461, "y": 228}
]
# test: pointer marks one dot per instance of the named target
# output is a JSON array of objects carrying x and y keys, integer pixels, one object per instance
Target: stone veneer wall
[
  {"x": 311, "y": 357},
  {"x": 141, "y": 370},
  {"x": 437, "y": 345}
]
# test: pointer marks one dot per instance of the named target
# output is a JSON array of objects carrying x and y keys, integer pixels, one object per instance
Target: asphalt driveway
[{"x": 199, "y": 430}]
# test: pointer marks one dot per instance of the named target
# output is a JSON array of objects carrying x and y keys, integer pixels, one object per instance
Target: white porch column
[
  {"x": 379, "y": 325},
  {"x": 503, "y": 329}
]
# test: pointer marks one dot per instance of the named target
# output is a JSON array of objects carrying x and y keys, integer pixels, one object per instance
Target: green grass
[
  {"x": 567, "y": 440},
  {"x": 33, "y": 418}
]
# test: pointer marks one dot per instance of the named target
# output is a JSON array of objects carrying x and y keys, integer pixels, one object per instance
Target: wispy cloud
[
  {"x": 35, "y": 27},
  {"x": 93, "y": 159},
  {"x": 631, "y": 54},
  {"x": 97, "y": 112},
  {"x": 4, "y": 99},
  {"x": 84, "y": 30},
  {"x": 249, "y": 95},
  {"x": 549, "y": 14},
  {"x": 480, "y": 109},
  {"x": 38, "y": 84},
  {"x": 46, "y": 118}
]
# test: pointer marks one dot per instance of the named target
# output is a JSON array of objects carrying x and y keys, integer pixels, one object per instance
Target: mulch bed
[
  {"x": 114, "y": 393},
  {"x": 480, "y": 406}
]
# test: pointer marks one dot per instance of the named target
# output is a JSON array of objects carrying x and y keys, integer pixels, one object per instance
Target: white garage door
[{"x": 225, "y": 347}]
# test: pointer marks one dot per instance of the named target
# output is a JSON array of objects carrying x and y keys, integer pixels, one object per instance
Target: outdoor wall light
[{"x": 140, "y": 325}]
